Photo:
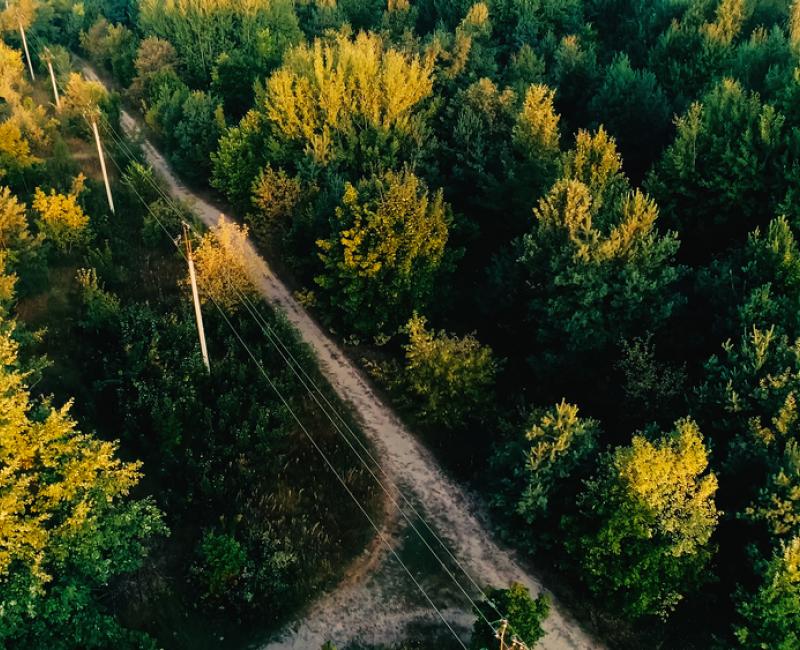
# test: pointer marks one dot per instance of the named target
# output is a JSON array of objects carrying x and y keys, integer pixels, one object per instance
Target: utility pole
[
  {"x": 53, "y": 79},
  {"x": 25, "y": 45},
  {"x": 195, "y": 297},
  {"x": 102, "y": 162},
  {"x": 501, "y": 634}
]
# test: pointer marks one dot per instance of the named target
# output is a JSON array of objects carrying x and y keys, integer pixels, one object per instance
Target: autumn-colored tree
[
  {"x": 594, "y": 268},
  {"x": 645, "y": 522},
  {"x": 376, "y": 104},
  {"x": 384, "y": 253},
  {"x": 225, "y": 266},
  {"x": 60, "y": 218},
  {"x": 82, "y": 100}
]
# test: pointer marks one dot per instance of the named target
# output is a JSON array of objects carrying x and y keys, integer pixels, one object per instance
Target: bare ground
[{"x": 376, "y": 602}]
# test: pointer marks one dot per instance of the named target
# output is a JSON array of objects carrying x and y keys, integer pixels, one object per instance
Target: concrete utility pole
[
  {"x": 102, "y": 164},
  {"x": 25, "y": 45},
  {"x": 196, "y": 297},
  {"x": 53, "y": 79},
  {"x": 516, "y": 644}
]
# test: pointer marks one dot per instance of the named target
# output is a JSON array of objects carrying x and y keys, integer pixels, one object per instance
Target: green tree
[
  {"x": 724, "y": 174},
  {"x": 203, "y": 30},
  {"x": 539, "y": 469},
  {"x": 276, "y": 197},
  {"x": 524, "y": 614},
  {"x": 778, "y": 503},
  {"x": 384, "y": 254},
  {"x": 154, "y": 58},
  {"x": 772, "y": 615},
  {"x": 69, "y": 527},
  {"x": 634, "y": 109},
  {"x": 748, "y": 403},
  {"x": 112, "y": 46},
  {"x": 594, "y": 268},
  {"x": 758, "y": 285},
  {"x": 452, "y": 378},
  {"x": 645, "y": 521}
]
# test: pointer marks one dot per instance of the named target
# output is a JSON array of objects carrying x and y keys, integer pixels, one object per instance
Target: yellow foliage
[
  {"x": 728, "y": 21},
  {"x": 225, "y": 264},
  {"x": 14, "y": 147},
  {"x": 81, "y": 97},
  {"x": 52, "y": 478},
  {"x": 330, "y": 88},
  {"x": 61, "y": 219},
  {"x": 665, "y": 477},
  {"x": 12, "y": 80},
  {"x": 536, "y": 130}
]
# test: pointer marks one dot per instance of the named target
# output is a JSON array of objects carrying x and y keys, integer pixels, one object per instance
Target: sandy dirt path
[{"x": 377, "y": 603}]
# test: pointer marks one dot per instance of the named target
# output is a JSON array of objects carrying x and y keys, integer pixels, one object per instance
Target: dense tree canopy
[{"x": 601, "y": 193}]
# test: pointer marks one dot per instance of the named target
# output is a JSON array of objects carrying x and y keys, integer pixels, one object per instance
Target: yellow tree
[
  {"x": 326, "y": 93},
  {"x": 225, "y": 264},
  {"x": 646, "y": 519},
  {"x": 60, "y": 218}
]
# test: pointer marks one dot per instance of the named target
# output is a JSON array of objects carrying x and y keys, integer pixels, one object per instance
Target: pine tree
[
  {"x": 593, "y": 268},
  {"x": 772, "y": 615}
]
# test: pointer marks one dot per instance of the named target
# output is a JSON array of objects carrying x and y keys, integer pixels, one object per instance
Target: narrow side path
[{"x": 368, "y": 606}]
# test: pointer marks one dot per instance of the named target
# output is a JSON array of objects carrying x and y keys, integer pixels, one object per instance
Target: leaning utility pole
[
  {"x": 25, "y": 45},
  {"x": 53, "y": 79},
  {"x": 195, "y": 297},
  {"x": 102, "y": 164}
]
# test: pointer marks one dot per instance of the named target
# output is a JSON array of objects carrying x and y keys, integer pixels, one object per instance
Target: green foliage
[
  {"x": 634, "y": 109},
  {"x": 652, "y": 388},
  {"x": 724, "y": 174},
  {"x": 102, "y": 308},
  {"x": 772, "y": 615},
  {"x": 594, "y": 268},
  {"x": 70, "y": 526},
  {"x": 204, "y": 30},
  {"x": 452, "y": 379},
  {"x": 385, "y": 252},
  {"x": 275, "y": 199},
  {"x": 112, "y": 46},
  {"x": 645, "y": 521},
  {"x": 539, "y": 469},
  {"x": 222, "y": 562},
  {"x": 525, "y": 616},
  {"x": 155, "y": 58},
  {"x": 190, "y": 124}
]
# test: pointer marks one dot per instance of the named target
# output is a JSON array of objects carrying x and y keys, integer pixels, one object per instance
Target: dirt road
[{"x": 381, "y": 605}]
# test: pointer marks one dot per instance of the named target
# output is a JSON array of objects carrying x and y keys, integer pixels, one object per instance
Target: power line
[
  {"x": 327, "y": 409},
  {"x": 300, "y": 423}
]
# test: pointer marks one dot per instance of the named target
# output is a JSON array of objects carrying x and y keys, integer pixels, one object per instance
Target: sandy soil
[{"x": 377, "y": 603}]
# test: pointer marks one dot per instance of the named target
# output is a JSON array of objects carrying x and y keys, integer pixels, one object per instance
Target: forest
[{"x": 559, "y": 236}]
